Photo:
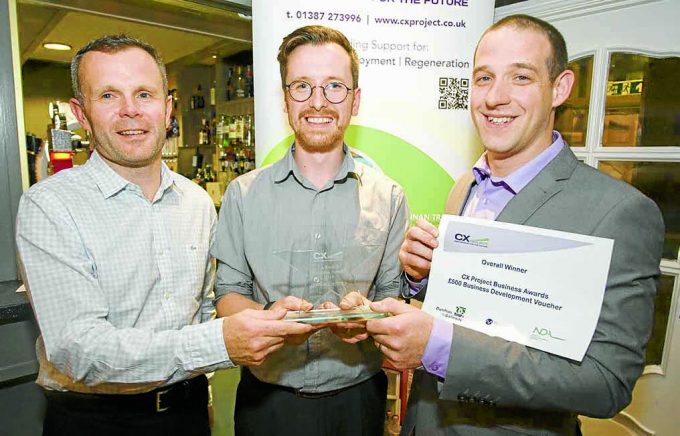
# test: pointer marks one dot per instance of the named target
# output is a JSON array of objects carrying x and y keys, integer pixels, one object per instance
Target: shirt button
[
  {"x": 435, "y": 367},
  {"x": 317, "y": 235},
  {"x": 166, "y": 295},
  {"x": 316, "y": 279}
]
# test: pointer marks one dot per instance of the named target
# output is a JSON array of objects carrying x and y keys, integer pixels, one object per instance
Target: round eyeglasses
[{"x": 335, "y": 92}]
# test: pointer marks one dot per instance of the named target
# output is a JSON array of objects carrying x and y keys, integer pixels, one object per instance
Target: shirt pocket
[
  {"x": 363, "y": 257},
  {"x": 191, "y": 268}
]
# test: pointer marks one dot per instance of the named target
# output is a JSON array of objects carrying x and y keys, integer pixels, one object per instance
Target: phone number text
[{"x": 324, "y": 16}]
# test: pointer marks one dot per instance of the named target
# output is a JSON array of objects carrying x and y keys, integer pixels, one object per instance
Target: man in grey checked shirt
[{"x": 115, "y": 256}]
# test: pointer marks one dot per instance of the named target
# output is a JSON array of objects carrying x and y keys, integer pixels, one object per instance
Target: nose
[
  {"x": 129, "y": 107},
  {"x": 498, "y": 94},
  {"x": 317, "y": 100}
]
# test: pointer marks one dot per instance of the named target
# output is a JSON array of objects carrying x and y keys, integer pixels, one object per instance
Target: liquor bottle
[
  {"x": 250, "y": 88},
  {"x": 213, "y": 130},
  {"x": 248, "y": 131},
  {"x": 197, "y": 160},
  {"x": 197, "y": 101},
  {"x": 240, "y": 85},
  {"x": 229, "y": 87},
  {"x": 240, "y": 124},
  {"x": 208, "y": 175},
  {"x": 232, "y": 129},
  {"x": 213, "y": 97},
  {"x": 219, "y": 130},
  {"x": 204, "y": 133},
  {"x": 199, "y": 178}
]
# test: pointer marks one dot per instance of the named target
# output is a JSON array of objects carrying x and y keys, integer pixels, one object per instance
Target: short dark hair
[
  {"x": 316, "y": 35},
  {"x": 113, "y": 44},
  {"x": 558, "y": 59}
]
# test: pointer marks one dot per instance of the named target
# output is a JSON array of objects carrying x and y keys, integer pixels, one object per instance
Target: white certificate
[{"x": 541, "y": 288}]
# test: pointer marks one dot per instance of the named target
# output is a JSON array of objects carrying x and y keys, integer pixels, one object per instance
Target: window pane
[
  {"x": 664, "y": 296},
  {"x": 660, "y": 181},
  {"x": 572, "y": 117},
  {"x": 643, "y": 102}
]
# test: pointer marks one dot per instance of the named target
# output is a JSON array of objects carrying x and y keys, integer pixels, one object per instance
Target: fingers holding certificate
[{"x": 415, "y": 254}]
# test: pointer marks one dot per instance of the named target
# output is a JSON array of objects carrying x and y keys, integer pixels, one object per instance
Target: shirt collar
[
  {"x": 521, "y": 177},
  {"x": 110, "y": 182},
  {"x": 287, "y": 167}
]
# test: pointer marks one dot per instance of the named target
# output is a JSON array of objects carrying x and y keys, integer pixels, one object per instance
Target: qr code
[{"x": 453, "y": 93}]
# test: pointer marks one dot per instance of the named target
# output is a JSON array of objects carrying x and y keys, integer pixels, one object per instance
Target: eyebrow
[
  {"x": 480, "y": 68},
  {"x": 327, "y": 79},
  {"x": 516, "y": 65},
  {"x": 114, "y": 88},
  {"x": 525, "y": 66}
]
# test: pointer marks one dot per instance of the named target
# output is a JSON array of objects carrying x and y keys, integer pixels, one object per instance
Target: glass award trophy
[{"x": 326, "y": 275}]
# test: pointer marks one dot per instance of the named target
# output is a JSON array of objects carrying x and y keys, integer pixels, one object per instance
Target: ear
[
  {"x": 285, "y": 101},
  {"x": 79, "y": 112},
  {"x": 356, "y": 101},
  {"x": 562, "y": 87},
  {"x": 168, "y": 111}
]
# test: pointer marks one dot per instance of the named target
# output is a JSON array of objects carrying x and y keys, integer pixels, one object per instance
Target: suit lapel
[
  {"x": 459, "y": 194},
  {"x": 543, "y": 187}
]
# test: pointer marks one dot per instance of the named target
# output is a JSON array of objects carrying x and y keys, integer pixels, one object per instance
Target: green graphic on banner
[{"x": 425, "y": 182}]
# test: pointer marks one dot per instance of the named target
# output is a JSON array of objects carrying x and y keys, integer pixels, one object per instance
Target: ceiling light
[
  {"x": 214, "y": 56},
  {"x": 57, "y": 46}
]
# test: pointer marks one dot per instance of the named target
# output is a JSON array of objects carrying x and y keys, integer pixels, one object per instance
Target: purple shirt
[{"x": 488, "y": 196}]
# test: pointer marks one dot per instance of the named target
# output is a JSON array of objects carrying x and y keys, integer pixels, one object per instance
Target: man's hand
[
  {"x": 251, "y": 335},
  {"x": 350, "y": 332},
  {"x": 292, "y": 303},
  {"x": 415, "y": 254},
  {"x": 402, "y": 337},
  {"x": 296, "y": 304}
]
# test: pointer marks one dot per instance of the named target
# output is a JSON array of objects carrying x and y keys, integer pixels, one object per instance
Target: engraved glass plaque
[{"x": 327, "y": 272}]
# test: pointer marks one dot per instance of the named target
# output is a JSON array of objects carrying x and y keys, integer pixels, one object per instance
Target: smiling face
[
  {"x": 319, "y": 125},
  {"x": 125, "y": 107},
  {"x": 513, "y": 98}
]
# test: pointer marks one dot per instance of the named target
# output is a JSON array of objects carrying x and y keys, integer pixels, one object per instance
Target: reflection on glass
[
  {"x": 571, "y": 118},
  {"x": 664, "y": 296},
  {"x": 643, "y": 102},
  {"x": 660, "y": 181}
]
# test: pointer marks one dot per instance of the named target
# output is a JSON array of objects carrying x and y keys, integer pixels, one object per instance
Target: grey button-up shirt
[{"x": 278, "y": 235}]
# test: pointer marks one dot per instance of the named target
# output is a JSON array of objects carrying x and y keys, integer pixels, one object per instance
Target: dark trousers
[
  {"x": 178, "y": 410},
  {"x": 266, "y": 409}
]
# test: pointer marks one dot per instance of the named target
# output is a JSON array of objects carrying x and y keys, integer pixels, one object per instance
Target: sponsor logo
[
  {"x": 489, "y": 321},
  {"x": 459, "y": 313},
  {"x": 543, "y": 334}
]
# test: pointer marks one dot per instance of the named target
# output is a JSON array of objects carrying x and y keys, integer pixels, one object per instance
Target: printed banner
[{"x": 416, "y": 64}]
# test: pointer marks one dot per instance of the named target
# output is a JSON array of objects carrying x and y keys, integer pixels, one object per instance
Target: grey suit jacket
[{"x": 496, "y": 387}]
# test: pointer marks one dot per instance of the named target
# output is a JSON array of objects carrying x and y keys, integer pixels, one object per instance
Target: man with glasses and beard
[{"x": 303, "y": 233}]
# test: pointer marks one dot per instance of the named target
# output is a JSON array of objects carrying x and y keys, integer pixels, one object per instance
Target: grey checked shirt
[
  {"x": 121, "y": 286},
  {"x": 278, "y": 235}
]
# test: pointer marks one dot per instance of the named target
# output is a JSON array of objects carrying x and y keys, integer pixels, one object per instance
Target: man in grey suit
[{"x": 469, "y": 383}]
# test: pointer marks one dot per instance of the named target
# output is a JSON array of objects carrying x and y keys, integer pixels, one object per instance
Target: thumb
[
  {"x": 428, "y": 227},
  {"x": 392, "y": 306},
  {"x": 272, "y": 314}
]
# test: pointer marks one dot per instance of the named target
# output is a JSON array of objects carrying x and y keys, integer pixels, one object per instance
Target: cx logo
[{"x": 461, "y": 237}]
